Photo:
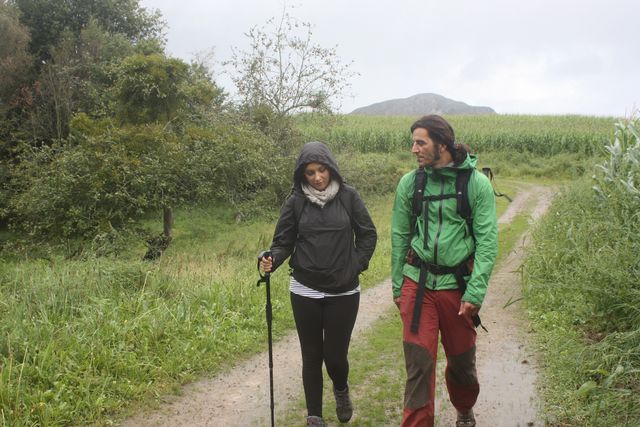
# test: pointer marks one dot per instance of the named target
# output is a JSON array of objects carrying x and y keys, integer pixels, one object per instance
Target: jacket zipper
[{"x": 435, "y": 240}]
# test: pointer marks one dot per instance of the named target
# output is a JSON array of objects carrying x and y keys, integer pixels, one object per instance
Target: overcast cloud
[{"x": 535, "y": 57}]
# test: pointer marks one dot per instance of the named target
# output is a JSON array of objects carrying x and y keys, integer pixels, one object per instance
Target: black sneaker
[
  {"x": 466, "y": 419},
  {"x": 344, "y": 408},
  {"x": 315, "y": 421}
]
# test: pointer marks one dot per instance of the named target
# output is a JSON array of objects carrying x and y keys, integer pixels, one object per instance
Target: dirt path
[
  {"x": 240, "y": 396},
  {"x": 506, "y": 364}
]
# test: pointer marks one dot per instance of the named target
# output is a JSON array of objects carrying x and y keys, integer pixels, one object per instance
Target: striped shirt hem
[{"x": 299, "y": 289}]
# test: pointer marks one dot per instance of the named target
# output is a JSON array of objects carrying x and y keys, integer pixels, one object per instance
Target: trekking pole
[{"x": 266, "y": 279}]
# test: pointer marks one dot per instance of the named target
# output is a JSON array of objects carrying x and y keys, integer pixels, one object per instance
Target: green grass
[
  {"x": 81, "y": 339},
  {"x": 581, "y": 289}
]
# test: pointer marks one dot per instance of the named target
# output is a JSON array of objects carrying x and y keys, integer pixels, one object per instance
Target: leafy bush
[
  {"x": 373, "y": 173},
  {"x": 93, "y": 182},
  {"x": 104, "y": 177},
  {"x": 618, "y": 183}
]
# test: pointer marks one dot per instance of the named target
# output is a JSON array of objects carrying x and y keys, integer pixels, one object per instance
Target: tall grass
[
  {"x": 79, "y": 340},
  {"x": 538, "y": 135},
  {"x": 559, "y": 147},
  {"x": 582, "y": 289}
]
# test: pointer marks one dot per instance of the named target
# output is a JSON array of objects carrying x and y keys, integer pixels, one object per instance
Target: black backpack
[{"x": 463, "y": 207}]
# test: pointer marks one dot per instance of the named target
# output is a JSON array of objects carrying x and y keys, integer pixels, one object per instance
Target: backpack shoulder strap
[
  {"x": 345, "y": 201},
  {"x": 418, "y": 197},
  {"x": 462, "y": 194},
  {"x": 298, "y": 205}
]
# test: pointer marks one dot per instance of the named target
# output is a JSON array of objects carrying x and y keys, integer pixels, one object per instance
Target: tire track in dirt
[{"x": 239, "y": 396}]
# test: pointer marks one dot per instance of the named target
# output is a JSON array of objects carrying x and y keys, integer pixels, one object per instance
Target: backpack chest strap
[{"x": 441, "y": 197}]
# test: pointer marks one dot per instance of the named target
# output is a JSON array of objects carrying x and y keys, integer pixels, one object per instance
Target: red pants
[{"x": 439, "y": 314}]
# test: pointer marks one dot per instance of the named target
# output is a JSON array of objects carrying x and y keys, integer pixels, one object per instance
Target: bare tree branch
[{"x": 284, "y": 69}]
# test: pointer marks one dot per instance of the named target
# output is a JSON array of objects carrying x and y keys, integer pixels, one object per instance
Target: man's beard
[{"x": 436, "y": 155}]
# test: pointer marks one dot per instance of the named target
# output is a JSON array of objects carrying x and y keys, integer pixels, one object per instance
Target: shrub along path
[{"x": 506, "y": 364}]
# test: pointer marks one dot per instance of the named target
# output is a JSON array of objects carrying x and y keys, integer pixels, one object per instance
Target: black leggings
[{"x": 324, "y": 329}]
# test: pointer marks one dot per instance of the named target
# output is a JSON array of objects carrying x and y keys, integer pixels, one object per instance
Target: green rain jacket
[{"x": 449, "y": 242}]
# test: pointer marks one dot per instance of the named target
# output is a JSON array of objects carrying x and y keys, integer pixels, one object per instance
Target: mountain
[{"x": 420, "y": 105}]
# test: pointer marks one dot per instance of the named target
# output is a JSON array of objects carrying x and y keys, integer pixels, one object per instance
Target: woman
[{"x": 316, "y": 227}]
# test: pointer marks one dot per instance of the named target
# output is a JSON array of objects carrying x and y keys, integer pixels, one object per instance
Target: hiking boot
[
  {"x": 466, "y": 419},
  {"x": 344, "y": 408},
  {"x": 315, "y": 421}
]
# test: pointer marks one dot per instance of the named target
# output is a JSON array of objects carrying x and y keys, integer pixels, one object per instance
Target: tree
[
  {"x": 48, "y": 19},
  {"x": 149, "y": 88},
  {"x": 154, "y": 89},
  {"x": 15, "y": 60},
  {"x": 77, "y": 48},
  {"x": 204, "y": 98},
  {"x": 15, "y": 66},
  {"x": 286, "y": 71}
]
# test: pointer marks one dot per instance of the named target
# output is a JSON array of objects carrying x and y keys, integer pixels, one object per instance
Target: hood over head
[{"x": 315, "y": 152}]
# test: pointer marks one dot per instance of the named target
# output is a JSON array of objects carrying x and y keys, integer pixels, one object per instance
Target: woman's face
[{"x": 317, "y": 175}]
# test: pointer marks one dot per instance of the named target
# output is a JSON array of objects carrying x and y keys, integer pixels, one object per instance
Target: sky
[{"x": 531, "y": 57}]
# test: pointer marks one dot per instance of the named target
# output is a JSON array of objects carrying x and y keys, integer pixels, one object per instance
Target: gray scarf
[{"x": 321, "y": 198}]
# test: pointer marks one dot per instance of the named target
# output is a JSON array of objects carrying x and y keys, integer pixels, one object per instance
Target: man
[{"x": 450, "y": 257}]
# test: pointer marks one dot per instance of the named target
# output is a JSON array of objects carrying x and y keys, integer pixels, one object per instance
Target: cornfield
[{"x": 538, "y": 135}]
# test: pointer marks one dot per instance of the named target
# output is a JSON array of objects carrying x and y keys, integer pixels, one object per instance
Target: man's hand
[
  {"x": 396, "y": 301},
  {"x": 468, "y": 309}
]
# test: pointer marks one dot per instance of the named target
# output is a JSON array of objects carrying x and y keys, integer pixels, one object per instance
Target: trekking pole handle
[{"x": 263, "y": 254}]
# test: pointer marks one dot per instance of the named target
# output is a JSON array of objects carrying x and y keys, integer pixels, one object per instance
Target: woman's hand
[{"x": 266, "y": 263}]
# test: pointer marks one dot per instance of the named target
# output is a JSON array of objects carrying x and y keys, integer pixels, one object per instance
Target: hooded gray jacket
[{"x": 325, "y": 256}]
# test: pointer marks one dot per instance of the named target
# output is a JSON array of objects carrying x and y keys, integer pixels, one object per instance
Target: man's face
[{"x": 427, "y": 152}]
